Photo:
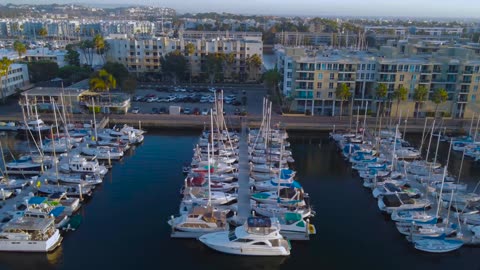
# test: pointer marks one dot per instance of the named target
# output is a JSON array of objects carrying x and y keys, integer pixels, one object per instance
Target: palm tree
[
  {"x": 20, "y": 48},
  {"x": 43, "y": 32},
  {"x": 229, "y": 60},
  {"x": 439, "y": 96},
  {"x": 99, "y": 45},
  {"x": 5, "y": 64},
  {"x": 419, "y": 95},
  {"x": 190, "y": 50},
  {"x": 343, "y": 93},
  {"x": 381, "y": 93},
  {"x": 254, "y": 62},
  {"x": 103, "y": 81},
  {"x": 400, "y": 95}
]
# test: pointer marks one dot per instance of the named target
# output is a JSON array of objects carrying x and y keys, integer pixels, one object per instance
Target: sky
[{"x": 403, "y": 8}]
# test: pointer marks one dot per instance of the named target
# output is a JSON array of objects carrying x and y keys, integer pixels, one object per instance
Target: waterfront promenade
[{"x": 298, "y": 123}]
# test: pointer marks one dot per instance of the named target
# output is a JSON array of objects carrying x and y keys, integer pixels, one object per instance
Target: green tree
[
  {"x": 381, "y": 94},
  {"x": 100, "y": 46},
  {"x": 5, "y": 64},
  {"x": 228, "y": 62},
  {"x": 419, "y": 95},
  {"x": 439, "y": 96},
  {"x": 271, "y": 78},
  {"x": 174, "y": 65},
  {"x": 119, "y": 71},
  {"x": 129, "y": 85},
  {"x": 213, "y": 65},
  {"x": 102, "y": 81},
  {"x": 42, "y": 71},
  {"x": 87, "y": 48},
  {"x": 43, "y": 32},
  {"x": 400, "y": 94},
  {"x": 72, "y": 56},
  {"x": 20, "y": 48},
  {"x": 72, "y": 74},
  {"x": 254, "y": 62},
  {"x": 343, "y": 93}
]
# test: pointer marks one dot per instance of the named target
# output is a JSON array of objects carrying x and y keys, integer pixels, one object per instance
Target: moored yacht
[{"x": 259, "y": 236}]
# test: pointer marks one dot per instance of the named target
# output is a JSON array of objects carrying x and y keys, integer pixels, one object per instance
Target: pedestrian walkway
[{"x": 244, "y": 207}]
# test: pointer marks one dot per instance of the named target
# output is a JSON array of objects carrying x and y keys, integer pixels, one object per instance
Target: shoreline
[{"x": 291, "y": 123}]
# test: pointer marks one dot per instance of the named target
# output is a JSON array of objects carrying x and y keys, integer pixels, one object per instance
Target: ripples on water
[{"x": 124, "y": 224}]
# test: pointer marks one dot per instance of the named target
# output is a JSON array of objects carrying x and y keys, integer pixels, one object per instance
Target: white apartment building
[{"x": 17, "y": 78}]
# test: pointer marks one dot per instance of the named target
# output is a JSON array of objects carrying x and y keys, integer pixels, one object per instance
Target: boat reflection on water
[
  {"x": 20, "y": 261},
  {"x": 212, "y": 259}
]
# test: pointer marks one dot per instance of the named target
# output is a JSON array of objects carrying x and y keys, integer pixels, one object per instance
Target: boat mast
[
  {"x": 209, "y": 168},
  {"x": 211, "y": 134},
  {"x": 94, "y": 119},
  {"x": 430, "y": 142},
  {"x": 3, "y": 160},
  {"x": 423, "y": 135}
]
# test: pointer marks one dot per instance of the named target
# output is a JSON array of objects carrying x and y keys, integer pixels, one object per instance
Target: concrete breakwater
[{"x": 294, "y": 123}]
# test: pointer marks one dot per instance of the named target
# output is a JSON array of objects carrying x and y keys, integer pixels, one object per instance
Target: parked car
[
  {"x": 187, "y": 111},
  {"x": 152, "y": 99},
  {"x": 154, "y": 110},
  {"x": 212, "y": 89},
  {"x": 162, "y": 110},
  {"x": 236, "y": 103},
  {"x": 150, "y": 95},
  {"x": 135, "y": 110},
  {"x": 196, "y": 111},
  {"x": 205, "y": 111},
  {"x": 137, "y": 98}
]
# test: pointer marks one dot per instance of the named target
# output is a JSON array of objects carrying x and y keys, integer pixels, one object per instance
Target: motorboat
[
  {"x": 401, "y": 201},
  {"x": 434, "y": 245},
  {"x": 30, "y": 234},
  {"x": 259, "y": 236},
  {"x": 81, "y": 165},
  {"x": 200, "y": 220}
]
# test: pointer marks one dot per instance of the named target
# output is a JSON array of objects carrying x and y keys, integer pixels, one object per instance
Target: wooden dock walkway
[{"x": 244, "y": 207}]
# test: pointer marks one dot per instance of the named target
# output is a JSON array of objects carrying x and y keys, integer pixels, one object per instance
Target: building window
[
  {"x": 330, "y": 85},
  {"x": 330, "y": 94},
  {"x": 402, "y": 77},
  {"x": 477, "y": 79},
  {"x": 414, "y": 77},
  {"x": 475, "y": 88},
  {"x": 289, "y": 75},
  {"x": 319, "y": 85},
  {"x": 319, "y": 94},
  {"x": 289, "y": 83},
  {"x": 368, "y": 66},
  {"x": 474, "y": 97},
  {"x": 320, "y": 76},
  {"x": 323, "y": 67},
  {"x": 332, "y": 76},
  {"x": 289, "y": 65}
]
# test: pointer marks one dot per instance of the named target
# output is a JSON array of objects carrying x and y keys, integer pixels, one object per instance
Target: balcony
[
  {"x": 425, "y": 71},
  {"x": 437, "y": 70}
]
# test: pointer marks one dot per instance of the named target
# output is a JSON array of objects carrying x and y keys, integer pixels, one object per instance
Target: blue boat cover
[
  {"x": 37, "y": 200},
  {"x": 57, "y": 211},
  {"x": 285, "y": 173}
]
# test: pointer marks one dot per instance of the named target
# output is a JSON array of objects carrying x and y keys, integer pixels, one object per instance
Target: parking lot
[{"x": 197, "y": 100}]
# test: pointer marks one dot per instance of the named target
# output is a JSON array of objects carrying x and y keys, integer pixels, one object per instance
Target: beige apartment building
[
  {"x": 311, "y": 78},
  {"x": 142, "y": 53}
]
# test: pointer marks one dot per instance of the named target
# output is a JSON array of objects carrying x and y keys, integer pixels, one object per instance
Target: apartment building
[
  {"x": 17, "y": 78},
  {"x": 311, "y": 78},
  {"x": 142, "y": 53}
]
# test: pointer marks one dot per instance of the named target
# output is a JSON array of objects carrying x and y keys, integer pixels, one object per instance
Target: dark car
[
  {"x": 154, "y": 110},
  {"x": 236, "y": 103},
  {"x": 196, "y": 111},
  {"x": 162, "y": 110},
  {"x": 236, "y": 111},
  {"x": 187, "y": 111}
]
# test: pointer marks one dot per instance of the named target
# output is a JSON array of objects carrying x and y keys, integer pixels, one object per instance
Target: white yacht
[
  {"x": 200, "y": 220},
  {"x": 259, "y": 236},
  {"x": 81, "y": 165},
  {"x": 29, "y": 234},
  {"x": 103, "y": 152}
]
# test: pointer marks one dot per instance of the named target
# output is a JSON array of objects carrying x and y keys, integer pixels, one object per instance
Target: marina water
[{"x": 125, "y": 223}]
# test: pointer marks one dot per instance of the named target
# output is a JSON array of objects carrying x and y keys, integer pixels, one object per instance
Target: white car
[
  {"x": 135, "y": 110},
  {"x": 152, "y": 99},
  {"x": 212, "y": 89},
  {"x": 205, "y": 111}
]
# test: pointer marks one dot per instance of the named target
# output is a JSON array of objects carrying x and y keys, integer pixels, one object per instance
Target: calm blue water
[{"x": 124, "y": 224}]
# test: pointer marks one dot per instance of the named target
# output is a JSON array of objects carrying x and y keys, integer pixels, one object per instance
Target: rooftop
[
  {"x": 54, "y": 91},
  {"x": 28, "y": 224}
]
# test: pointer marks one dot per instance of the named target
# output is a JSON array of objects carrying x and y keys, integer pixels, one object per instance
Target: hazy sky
[{"x": 407, "y": 8}]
